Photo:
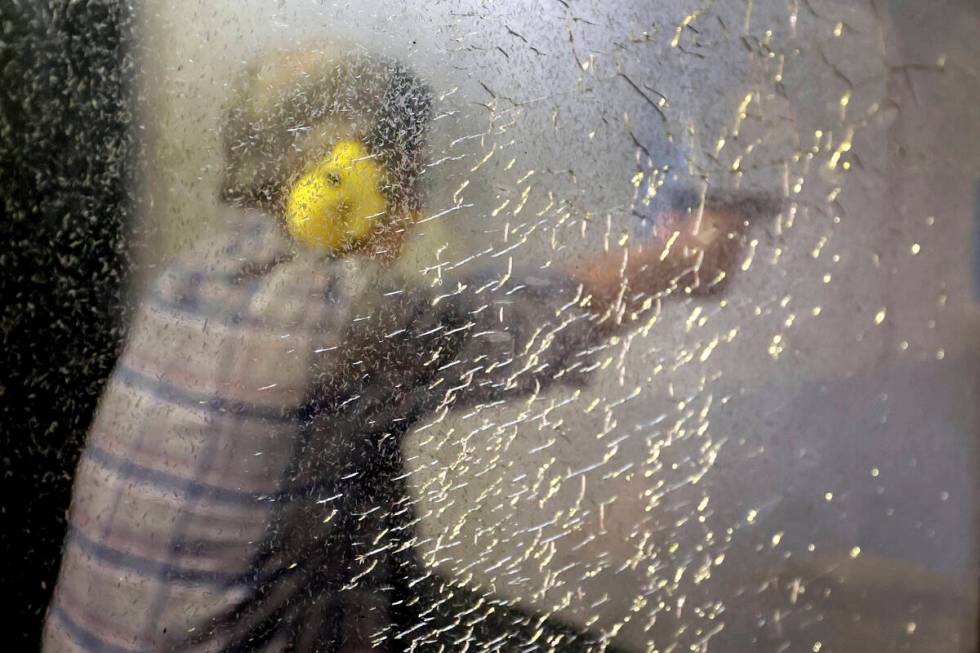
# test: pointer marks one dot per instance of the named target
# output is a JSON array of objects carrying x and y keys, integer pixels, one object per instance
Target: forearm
[{"x": 694, "y": 256}]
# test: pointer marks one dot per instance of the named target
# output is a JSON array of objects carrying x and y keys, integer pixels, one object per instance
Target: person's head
[{"x": 331, "y": 141}]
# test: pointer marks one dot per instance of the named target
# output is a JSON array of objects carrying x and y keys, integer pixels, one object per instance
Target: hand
[
  {"x": 709, "y": 249},
  {"x": 696, "y": 255}
]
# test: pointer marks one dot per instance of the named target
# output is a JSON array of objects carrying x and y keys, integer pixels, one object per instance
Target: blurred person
[{"x": 242, "y": 486}]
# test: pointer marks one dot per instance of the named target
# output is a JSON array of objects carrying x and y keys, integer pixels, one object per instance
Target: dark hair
[
  {"x": 398, "y": 135},
  {"x": 277, "y": 107}
]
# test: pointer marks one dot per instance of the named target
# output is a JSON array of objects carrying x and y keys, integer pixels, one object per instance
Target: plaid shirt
[{"x": 242, "y": 483}]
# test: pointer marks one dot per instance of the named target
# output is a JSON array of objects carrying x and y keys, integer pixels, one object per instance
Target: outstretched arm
[
  {"x": 414, "y": 351},
  {"x": 494, "y": 339}
]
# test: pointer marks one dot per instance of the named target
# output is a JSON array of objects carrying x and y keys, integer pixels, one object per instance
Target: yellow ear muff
[{"x": 338, "y": 202}]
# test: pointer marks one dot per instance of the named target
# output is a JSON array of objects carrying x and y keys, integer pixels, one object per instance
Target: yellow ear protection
[{"x": 338, "y": 202}]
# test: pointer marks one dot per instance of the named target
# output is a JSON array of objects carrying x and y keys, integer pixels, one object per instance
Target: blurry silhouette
[{"x": 242, "y": 487}]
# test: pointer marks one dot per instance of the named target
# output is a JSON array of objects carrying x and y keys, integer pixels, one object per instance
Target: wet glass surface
[{"x": 548, "y": 326}]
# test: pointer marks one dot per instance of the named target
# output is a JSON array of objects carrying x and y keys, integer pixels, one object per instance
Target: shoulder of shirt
[
  {"x": 240, "y": 243},
  {"x": 249, "y": 250}
]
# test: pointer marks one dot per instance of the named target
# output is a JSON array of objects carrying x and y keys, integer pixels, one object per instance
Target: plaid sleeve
[
  {"x": 189, "y": 455},
  {"x": 489, "y": 338},
  {"x": 526, "y": 332}
]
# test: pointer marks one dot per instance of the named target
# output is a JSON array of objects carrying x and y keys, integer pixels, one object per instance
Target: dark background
[{"x": 65, "y": 152}]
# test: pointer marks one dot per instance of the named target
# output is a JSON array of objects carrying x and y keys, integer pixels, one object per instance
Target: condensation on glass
[{"x": 787, "y": 464}]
